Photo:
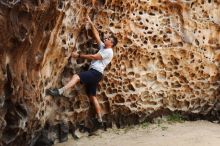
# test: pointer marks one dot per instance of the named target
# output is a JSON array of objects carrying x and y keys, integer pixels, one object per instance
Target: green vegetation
[
  {"x": 175, "y": 117},
  {"x": 145, "y": 125},
  {"x": 160, "y": 122}
]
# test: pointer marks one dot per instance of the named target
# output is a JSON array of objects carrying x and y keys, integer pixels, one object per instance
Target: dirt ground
[{"x": 197, "y": 133}]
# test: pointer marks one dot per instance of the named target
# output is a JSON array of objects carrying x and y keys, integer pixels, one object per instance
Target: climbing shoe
[
  {"x": 63, "y": 132},
  {"x": 53, "y": 92},
  {"x": 101, "y": 124}
]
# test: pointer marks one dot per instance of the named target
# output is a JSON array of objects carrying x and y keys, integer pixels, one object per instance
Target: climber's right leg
[{"x": 97, "y": 108}]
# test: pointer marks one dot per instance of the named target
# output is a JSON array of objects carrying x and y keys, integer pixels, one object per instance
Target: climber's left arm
[{"x": 96, "y": 56}]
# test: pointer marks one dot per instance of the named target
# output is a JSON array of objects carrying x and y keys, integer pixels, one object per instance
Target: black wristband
[{"x": 79, "y": 55}]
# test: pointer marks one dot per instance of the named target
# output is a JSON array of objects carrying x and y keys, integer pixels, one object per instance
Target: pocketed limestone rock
[{"x": 167, "y": 59}]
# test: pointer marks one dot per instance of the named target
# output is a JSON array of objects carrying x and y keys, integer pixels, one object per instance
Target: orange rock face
[{"x": 167, "y": 59}]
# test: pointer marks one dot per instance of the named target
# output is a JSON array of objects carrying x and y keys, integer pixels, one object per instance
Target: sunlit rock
[{"x": 167, "y": 59}]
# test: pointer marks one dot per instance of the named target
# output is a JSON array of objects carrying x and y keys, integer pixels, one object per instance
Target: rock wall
[
  {"x": 167, "y": 59},
  {"x": 25, "y": 29}
]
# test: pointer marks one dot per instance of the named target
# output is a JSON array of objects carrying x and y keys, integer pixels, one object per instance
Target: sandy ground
[{"x": 198, "y": 133}]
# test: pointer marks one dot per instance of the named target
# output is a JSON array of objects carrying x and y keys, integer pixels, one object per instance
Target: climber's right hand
[
  {"x": 93, "y": 2},
  {"x": 88, "y": 18}
]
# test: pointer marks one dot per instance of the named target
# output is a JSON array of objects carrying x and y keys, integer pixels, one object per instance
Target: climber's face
[{"x": 108, "y": 42}]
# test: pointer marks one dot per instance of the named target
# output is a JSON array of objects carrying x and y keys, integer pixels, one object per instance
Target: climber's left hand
[{"x": 75, "y": 54}]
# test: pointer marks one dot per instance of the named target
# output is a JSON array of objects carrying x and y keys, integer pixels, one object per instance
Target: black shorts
[{"x": 91, "y": 79}]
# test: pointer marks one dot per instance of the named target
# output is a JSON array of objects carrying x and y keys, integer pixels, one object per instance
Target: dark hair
[{"x": 114, "y": 41}]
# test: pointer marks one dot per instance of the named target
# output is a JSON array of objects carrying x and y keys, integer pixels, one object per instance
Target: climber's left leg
[{"x": 57, "y": 92}]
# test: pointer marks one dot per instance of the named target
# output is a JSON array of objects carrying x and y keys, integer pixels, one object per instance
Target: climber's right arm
[{"x": 95, "y": 31}]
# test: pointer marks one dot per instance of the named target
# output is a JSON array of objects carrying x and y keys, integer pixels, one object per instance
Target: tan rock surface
[{"x": 167, "y": 59}]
